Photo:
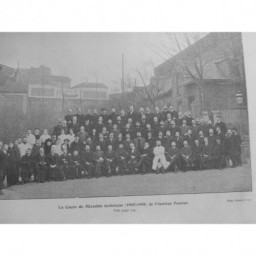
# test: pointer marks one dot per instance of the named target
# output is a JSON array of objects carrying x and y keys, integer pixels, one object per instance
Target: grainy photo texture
[{"x": 122, "y": 114}]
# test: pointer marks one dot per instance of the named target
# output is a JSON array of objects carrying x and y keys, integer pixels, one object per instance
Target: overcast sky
[{"x": 82, "y": 56}]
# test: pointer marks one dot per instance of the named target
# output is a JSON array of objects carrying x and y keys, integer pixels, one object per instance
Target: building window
[
  {"x": 94, "y": 95},
  {"x": 40, "y": 92}
]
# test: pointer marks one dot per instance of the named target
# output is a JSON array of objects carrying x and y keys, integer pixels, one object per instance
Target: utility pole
[
  {"x": 43, "y": 92},
  {"x": 122, "y": 73}
]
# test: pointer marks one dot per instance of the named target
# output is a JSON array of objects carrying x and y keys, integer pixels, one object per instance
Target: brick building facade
[
  {"x": 36, "y": 98},
  {"x": 222, "y": 77}
]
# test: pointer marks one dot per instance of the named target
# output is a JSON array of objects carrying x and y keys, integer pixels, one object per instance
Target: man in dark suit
[
  {"x": 99, "y": 160},
  {"x": 3, "y": 167},
  {"x": 65, "y": 166},
  {"x": 110, "y": 160},
  {"x": 207, "y": 151},
  {"x": 121, "y": 156},
  {"x": 238, "y": 142},
  {"x": 221, "y": 124},
  {"x": 26, "y": 166},
  {"x": 196, "y": 158},
  {"x": 41, "y": 165},
  {"x": 52, "y": 161},
  {"x": 87, "y": 161},
  {"x": 173, "y": 156},
  {"x": 145, "y": 161},
  {"x": 139, "y": 142},
  {"x": 102, "y": 143},
  {"x": 132, "y": 158},
  {"x": 219, "y": 154},
  {"x": 80, "y": 117},
  {"x": 69, "y": 118},
  {"x": 132, "y": 114},
  {"x": 173, "y": 112},
  {"x": 113, "y": 115},
  {"x": 232, "y": 148}
]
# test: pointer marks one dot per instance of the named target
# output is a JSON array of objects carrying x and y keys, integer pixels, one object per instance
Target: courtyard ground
[{"x": 208, "y": 181}]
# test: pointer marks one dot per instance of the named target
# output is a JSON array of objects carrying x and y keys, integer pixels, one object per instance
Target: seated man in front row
[
  {"x": 196, "y": 158},
  {"x": 159, "y": 161},
  {"x": 26, "y": 166},
  {"x": 110, "y": 161},
  {"x": 132, "y": 160},
  {"x": 218, "y": 155},
  {"x": 41, "y": 165},
  {"x": 121, "y": 156},
  {"x": 173, "y": 157},
  {"x": 99, "y": 159},
  {"x": 53, "y": 165},
  {"x": 185, "y": 158},
  {"x": 87, "y": 161},
  {"x": 145, "y": 161},
  {"x": 76, "y": 165}
]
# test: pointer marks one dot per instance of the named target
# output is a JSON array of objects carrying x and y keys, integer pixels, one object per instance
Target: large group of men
[{"x": 105, "y": 144}]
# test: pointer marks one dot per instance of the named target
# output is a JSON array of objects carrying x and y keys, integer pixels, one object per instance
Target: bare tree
[
  {"x": 188, "y": 58},
  {"x": 154, "y": 92}
]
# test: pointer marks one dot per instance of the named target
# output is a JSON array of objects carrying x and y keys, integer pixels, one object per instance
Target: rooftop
[
  {"x": 91, "y": 85},
  {"x": 12, "y": 86}
]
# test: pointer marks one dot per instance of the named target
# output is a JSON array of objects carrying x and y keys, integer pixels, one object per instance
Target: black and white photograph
[{"x": 86, "y": 115}]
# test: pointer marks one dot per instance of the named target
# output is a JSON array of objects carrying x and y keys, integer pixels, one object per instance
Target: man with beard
[
  {"x": 3, "y": 165},
  {"x": 238, "y": 143},
  {"x": 113, "y": 115},
  {"x": 149, "y": 116},
  {"x": 118, "y": 141},
  {"x": 232, "y": 148},
  {"x": 76, "y": 165},
  {"x": 219, "y": 155},
  {"x": 75, "y": 125},
  {"x": 57, "y": 128},
  {"x": 139, "y": 142},
  {"x": 221, "y": 124},
  {"x": 80, "y": 117},
  {"x": 185, "y": 158},
  {"x": 145, "y": 161},
  {"x": 69, "y": 117},
  {"x": 132, "y": 159},
  {"x": 173, "y": 155},
  {"x": 41, "y": 165},
  {"x": 159, "y": 161},
  {"x": 87, "y": 161},
  {"x": 75, "y": 145},
  {"x": 64, "y": 166},
  {"x": 151, "y": 141},
  {"x": 37, "y": 133},
  {"x": 178, "y": 140},
  {"x": 24, "y": 146},
  {"x": 196, "y": 158},
  {"x": 52, "y": 161},
  {"x": 111, "y": 140},
  {"x": 12, "y": 160},
  {"x": 132, "y": 114},
  {"x": 34, "y": 154},
  {"x": 121, "y": 156},
  {"x": 26, "y": 166},
  {"x": 174, "y": 113},
  {"x": 207, "y": 151},
  {"x": 110, "y": 160},
  {"x": 99, "y": 159}
]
